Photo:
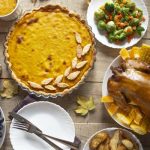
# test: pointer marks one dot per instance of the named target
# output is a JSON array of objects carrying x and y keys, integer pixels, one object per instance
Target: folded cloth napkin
[{"x": 30, "y": 99}]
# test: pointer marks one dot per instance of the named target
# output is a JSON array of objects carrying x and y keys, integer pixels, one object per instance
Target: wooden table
[{"x": 93, "y": 122}]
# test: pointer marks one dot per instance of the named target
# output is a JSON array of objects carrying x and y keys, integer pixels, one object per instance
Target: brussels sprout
[
  {"x": 101, "y": 25},
  {"x": 131, "y": 6},
  {"x": 117, "y": 8},
  {"x": 139, "y": 30},
  {"x": 134, "y": 14},
  {"x": 109, "y": 6},
  {"x": 99, "y": 14},
  {"x": 128, "y": 30},
  {"x": 111, "y": 37},
  {"x": 134, "y": 22},
  {"x": 111, "y": 26}
]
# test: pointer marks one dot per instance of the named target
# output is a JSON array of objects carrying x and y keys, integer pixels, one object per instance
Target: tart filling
[{"x": 50, "y": 49}]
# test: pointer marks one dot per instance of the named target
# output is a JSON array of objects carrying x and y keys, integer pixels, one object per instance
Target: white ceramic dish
[
  {"x": 107, "y": 75},
  {"x": 51, "y": 119},
  {"x": 95, "y": 4},
  {"x": 14, "y": 14},
  {"x": 4, "y": 129},
  {"x": 111, "y": 131}
]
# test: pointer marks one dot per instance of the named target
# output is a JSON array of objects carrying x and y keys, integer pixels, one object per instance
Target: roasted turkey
[{"x": 130, "y": 82}]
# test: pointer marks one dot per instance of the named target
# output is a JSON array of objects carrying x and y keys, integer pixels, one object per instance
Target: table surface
[{"x": 99, "y": 119}]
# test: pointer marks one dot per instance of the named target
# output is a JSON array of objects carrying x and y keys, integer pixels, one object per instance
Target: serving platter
[{"x": 100, "y": 35}]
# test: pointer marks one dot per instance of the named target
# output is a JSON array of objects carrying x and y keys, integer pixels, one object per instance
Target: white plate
[
  {"x": 111, "y": 131},
  {"x": 51, "y": 119},
  {"x": 107, "y": 75},
  {"x": 4, "y": 129},
  {"x": 95, "y": 4}
]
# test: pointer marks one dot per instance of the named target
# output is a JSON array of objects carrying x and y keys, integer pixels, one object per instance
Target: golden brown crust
[{"x": 50, "y": 8}]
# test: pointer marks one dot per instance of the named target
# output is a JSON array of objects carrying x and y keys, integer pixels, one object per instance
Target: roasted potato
[
  {"x": 128, "y": 144},
  {"x": 97, "y": 140},
  {"x": 115, "y": 140},
  {"x": 121, "y": 147}
]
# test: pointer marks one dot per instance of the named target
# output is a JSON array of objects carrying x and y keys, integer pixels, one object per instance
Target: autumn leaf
[
  {"x": 85, "y": 105},
  {"x": 10, "y": 88}
]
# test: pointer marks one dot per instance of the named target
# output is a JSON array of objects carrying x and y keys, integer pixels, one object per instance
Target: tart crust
[{"x": 39, "y": 92}]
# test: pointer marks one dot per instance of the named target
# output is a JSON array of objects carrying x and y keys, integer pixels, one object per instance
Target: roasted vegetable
[
  {"x": 101, "y": 25},
  {"x": 109, "y": 6},
  {"x": 99, "y": 14},
  {"x": 120, "y": 14},
  {"x": 111, "y": 26},
  {"x": 128, "y": 30},
  {"x": 134, "y": 22},
  {"x": 139, "y": 30}
]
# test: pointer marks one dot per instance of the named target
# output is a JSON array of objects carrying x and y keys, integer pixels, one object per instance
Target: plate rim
[
  {"x": 41, "y": 102},
  {"x": 115, "y": 46}
]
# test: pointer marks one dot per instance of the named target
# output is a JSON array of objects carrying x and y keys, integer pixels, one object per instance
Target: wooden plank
[{"x": 84, "y": 131}]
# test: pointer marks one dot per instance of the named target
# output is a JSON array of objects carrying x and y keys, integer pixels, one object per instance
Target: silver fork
[{"x": 31, "y": 129}]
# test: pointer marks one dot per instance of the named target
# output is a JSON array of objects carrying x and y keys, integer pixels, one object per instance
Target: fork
[{"x": 31, "y": 129}]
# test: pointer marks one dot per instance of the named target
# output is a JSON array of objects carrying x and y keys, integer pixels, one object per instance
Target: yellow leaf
[
  {"x": 90, "y": 105},
  {"x": 106, "y": 99},
  {"x": 80, "y": 110},
  {"x": 85, "y": 105},
  {"x": 124, "y": 53}
]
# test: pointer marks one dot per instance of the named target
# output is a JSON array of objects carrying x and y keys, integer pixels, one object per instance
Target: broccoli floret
[
  {"x": 139, "y": 30},
  {"x": 109, "y": 6},
  {"x": 111, "y": 26},
  {"x": 99, "y": 14},
  {"x": 101, "y": 25},
  {"x": 122, "y": 36}
]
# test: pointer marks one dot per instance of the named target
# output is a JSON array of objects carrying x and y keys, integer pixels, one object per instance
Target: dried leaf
[
  {"x": 74, "y": 62},
  {"x": 73, "y": 75},
  {"x": 10, "y": 88},
  {"x": 58, "y": 79},
  {"x": 78, "y": 38},
  {"x": 79, "y": 51},
  {"x": 62, "y": 85},
  {"x": 86, "y": 49},
  {"x": 50, "y": 87},
  {"x": 82, "y": 111},
  {"x": 67, "y": 71},
  {"x": 47, "y": 81},
  {"x": 35, "y": 85},
  {"x": 81, "y": 64},
  {"x": 85, "y": 105}
]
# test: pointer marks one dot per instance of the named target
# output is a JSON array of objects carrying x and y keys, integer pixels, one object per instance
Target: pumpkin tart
[{"x": 50, "y": 50}]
